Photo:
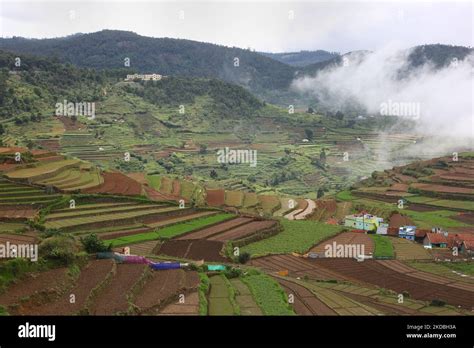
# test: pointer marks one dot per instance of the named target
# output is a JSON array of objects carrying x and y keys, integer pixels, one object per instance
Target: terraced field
[
  {"x": 16, "y": 194},
  {"x": 408, "y": 250},
  {"x": 172, "y": 230},
  {"x": 220, "y": 295},
  {"x": 42, "y": 170},
  {"x": 82, "y": 222},
  {"x": 74, "y": 179}
]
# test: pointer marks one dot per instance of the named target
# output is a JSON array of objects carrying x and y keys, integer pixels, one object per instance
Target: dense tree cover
[
  {"x": 109, "y": 49},
  {"x": 439, "y": 55},
  {"x": 29, "y": 84},
  {"x": 228, "y": 99},
  {"x": 302, "y": 58}
]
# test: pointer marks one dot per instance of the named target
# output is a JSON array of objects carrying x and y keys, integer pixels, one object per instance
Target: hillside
[
  {"x": 268, "y": 76},
  {"x": 107, "y": 49},
  {"x": 301, "y": 58}
]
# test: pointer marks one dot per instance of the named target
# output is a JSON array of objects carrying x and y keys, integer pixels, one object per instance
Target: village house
[
  {"x": 435, "y": 240},
  {"x": 407, "y": 232},
  {"x": 467, "y": 247},
  {"x": 363, "y": 221},
  {"x": 382, "y": 228}
]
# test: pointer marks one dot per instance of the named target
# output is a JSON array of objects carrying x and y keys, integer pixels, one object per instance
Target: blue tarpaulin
[{"x": 165, "y": 265}]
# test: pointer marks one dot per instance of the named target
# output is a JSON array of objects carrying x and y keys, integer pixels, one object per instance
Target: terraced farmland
[
  {"x": 42, "y": 170},
  {"x": 172, "y": 230},
  {"x": 220, "y": 297},
  {"x": 111, "y": 219},
  {"x": 16, "y": 194}
]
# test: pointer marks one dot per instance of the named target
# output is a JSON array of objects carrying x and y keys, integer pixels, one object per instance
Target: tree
[
  {"x": 322, "y": 157},
  {"x": 309, "y": 134},
  {"x": 2, "y": 130},
  {"x": 339, "y": 115},
  {"x": 310, "y": 110},
  {"x": 202, "y": 149},
  {"x": 213, "y": 174},
  {"x": 320, "y": 192}
]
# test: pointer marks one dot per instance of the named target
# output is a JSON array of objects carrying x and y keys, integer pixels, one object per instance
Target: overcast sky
[{"x": 271, "y": 26}]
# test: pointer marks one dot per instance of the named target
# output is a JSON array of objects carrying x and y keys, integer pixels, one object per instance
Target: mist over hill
[{"x": 265, "y": 75}]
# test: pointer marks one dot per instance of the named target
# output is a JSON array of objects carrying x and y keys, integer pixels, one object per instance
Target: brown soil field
[
  {"x": 19, "y": 213},
  {"x": 193, "y": 249},
  {"x": 347, "y": 238},
  {"x": 158, "y": 196},
  {"x": 379, "y": 273},
  {"x": 138, "y": 177},
  {"x": 142, "y": 249},
  {"x": 297, "y": 267},
  {"x": 162, "y": 288},
  {"x": 399, "y": 187},
  {"x": 222, "y": 227},
  {"x": 117, "y": 183},
  {"x": 69, "y": 124},
  {"x": 176, "y": 188},
  {"x": 215, "y": 198},
  {"x": 50, "y": 144},
  {"x": 305, "y": 302},
  {"x": 178, "y": 216},
  {"x": 422, "y": 207},
  {"x": 49, "y": 282},
  {"x": 90, "y": 277},
  {"x": 18, "y": 238},
  {"x": 113, "y": 297},
  {"x": 302, "y": 204},
  {"x": 467, "y": 218},
  {"x": 397, "y": 220},
  {"x": 443, "y": 188},
  {"x": 243, "y": 231},
  {"x": 189, "y": 307}
]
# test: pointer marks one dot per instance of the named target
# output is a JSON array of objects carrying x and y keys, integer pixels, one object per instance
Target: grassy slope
[{"x": 297, "y": 236}]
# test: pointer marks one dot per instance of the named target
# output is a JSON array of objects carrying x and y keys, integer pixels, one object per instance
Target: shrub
[
  {"x": 437, "y": 303},
  {"x": 61, "y": 249},
  {"x": 244, "y": 257},
  {"x": 233, "y": 273},
  {"x": 92, "y": 244}
]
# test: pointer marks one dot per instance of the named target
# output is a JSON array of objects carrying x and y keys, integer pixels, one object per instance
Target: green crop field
[
  {"x": 221, "y": 300},
  {"x": 383, "y": 246},
  {"x": 268, "y": 294},
  {"x": 173, "y": 230},
  {"x": 429, "y": 219},
  {"x": 443, "y": 203},
  {"x": 297, "y": 236},
  {"x": 446, "y": 269}
]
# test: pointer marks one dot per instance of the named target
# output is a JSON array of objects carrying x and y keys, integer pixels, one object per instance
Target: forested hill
[
  {"x": 29, "y": 85},
  {"x": 302, "y": 58},
  {"x": 32, "y": 86},
  {"x": 109, "y": 49},
  {"x": 437, "y": 55}
]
